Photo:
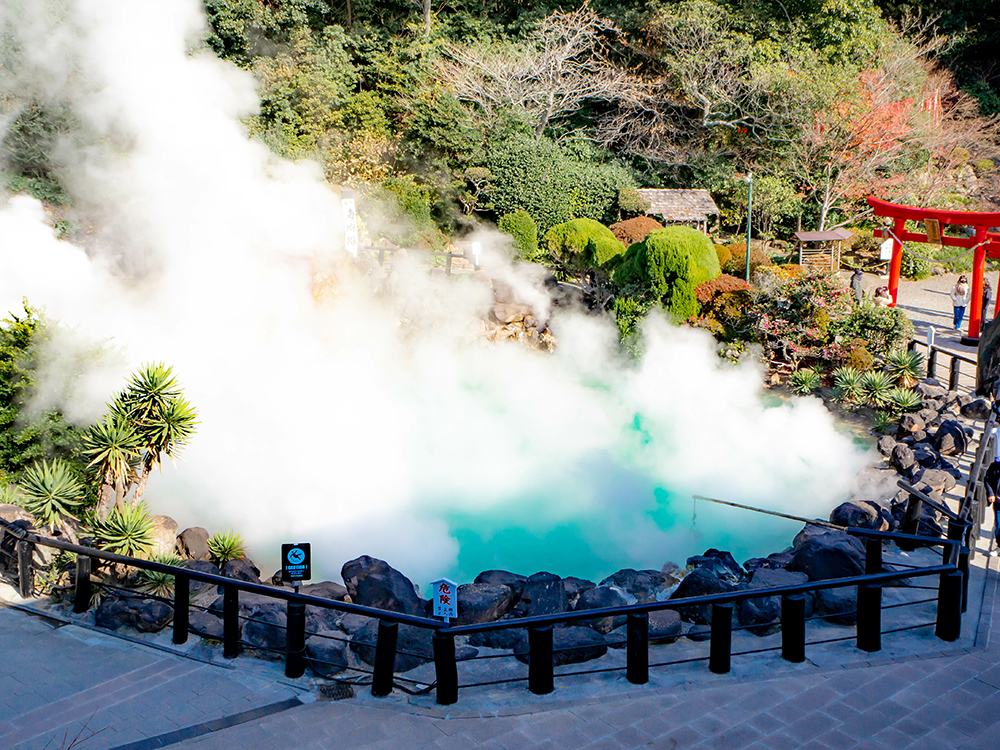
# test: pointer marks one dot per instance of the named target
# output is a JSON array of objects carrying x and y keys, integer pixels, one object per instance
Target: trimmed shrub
[
  {"x": 881, "y": 329},
  {"x": 634, "y": 230},
  {"x": 724, "y": 255},
  {"x": 737, "y": 265},
  {"x": 709, "y": 290},
  {"x": 581, "y": 244},
  {"x": 667, "y": 267},
  {"x": 522, "y": 228}
]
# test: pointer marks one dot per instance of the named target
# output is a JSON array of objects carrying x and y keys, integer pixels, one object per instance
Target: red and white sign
[{"x": 445, "y": 595}]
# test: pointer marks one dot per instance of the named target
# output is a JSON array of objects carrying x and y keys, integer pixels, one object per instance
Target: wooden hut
[
  {"x": 821, "y": 250},
  {"x": 691, "y": 207}
]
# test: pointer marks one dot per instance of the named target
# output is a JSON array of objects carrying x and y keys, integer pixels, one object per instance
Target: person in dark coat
[
  {"x": 987, "y": 296},
  {"x": 992, "y": 484},
  {"x": 856, "y": 286}
]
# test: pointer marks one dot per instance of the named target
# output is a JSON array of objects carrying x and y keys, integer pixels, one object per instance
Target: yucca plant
[
  {"x": 883, "y": 422},
  {"x": 224, "y": 546},
  {"x": 904, "y": 367},
  {"x": 128, "y": 530},
  {"x": 49, "y": 490},
  {"x": 804, "y": 382},
  {"x": 9, "y": 495},
  {"x": 904, "y": 400},
  {"x": 847, "y": 384},
  {"x": 875, "y": 387},
  {"x": 156, "y": 583}
]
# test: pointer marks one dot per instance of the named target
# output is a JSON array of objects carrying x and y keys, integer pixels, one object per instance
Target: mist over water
[{"x": 361, "y": 421}]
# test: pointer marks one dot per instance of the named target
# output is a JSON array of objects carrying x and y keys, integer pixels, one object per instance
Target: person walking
[
  {"x": 856, "y": 286},
  {"x": 992, "y": 484},
  {"x": 987, "y": 296},
  {"x": 960, "y": 300}
]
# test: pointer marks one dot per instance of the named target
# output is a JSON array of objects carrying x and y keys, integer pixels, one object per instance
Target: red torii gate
[{"x": 985, "y": 242}]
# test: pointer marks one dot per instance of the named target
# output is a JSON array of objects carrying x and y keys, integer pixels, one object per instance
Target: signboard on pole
[
  {"x": 885, "y": 250},
  {"x": 296, "y": 562},
  {"x": 445, "y": 594},
  {"x": 350, "y": 222}
]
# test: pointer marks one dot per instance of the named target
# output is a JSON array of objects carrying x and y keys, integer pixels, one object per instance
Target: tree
[
  {"x": 560, "y": 66},
  {"x": 146, "y": 421}
]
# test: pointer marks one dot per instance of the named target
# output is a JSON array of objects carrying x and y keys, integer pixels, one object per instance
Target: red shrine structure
[{"x": 985, "y": 239}]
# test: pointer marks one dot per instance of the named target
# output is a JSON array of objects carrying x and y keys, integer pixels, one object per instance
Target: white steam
[{"x": 331, "y": 421}]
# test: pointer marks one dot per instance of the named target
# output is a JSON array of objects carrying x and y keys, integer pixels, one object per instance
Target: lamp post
[{"x": 749, "y": 178}]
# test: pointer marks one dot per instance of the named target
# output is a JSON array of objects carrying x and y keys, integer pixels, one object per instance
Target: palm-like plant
[
  {"x": 804, "y": 382},
  {"x": 883, "y": 421},
  {"x": 904, "y": 367},
  {"x": 113, "y": 447},
  {"x": 875, "y": 387},
  {"x": 10, "y": 495},
  {"x": 847, "y": 382},
  {"x": 224, "y": 546},
  {"x": 128, "y": 530},
  {"x": 904, "y": 400},
  {"x": 49, "y": 490},
  {"x": 161, "y": 420}
]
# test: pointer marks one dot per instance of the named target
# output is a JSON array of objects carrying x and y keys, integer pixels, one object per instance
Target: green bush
[
  {"x": 881, "y": 328},
  {"x": 629, "y": 313},
  {"x": 912, "y": 267},
  {"x": 522, "y": 228},
  {"x": 667, "y": 267},
  {"x": 724, "y": 254},
  {"x": 581, "y": 244}
]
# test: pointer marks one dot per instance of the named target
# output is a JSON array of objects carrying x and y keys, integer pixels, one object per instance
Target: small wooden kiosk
[
  {"x": 820, "y": 251},
  {"x": 694, "y": 208}
]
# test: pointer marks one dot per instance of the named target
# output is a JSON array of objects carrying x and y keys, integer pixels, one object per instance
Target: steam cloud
[{"x": 329, "y": 421}]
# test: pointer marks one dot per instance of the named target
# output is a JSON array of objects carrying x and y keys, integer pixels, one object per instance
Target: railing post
[
  {"x": 721, "y": 646},
  {"x": 793, "y": 628},
  {"x": 963, "y": 567},
  {"x": 182, "y": 607},
  {"x": 869, "y": 628},
  {"x": 447, "y": 265},
  {"x": 295, "y": 640},
  {"x": 540, "y": 668},
  {"x": 230, "y": 621},
  {"x": 82, "y": 592},
  {"x": 953, "y": 374},
  {"x": 637, "y": 648},
  {"x": 25, "y": 572},
  {"x": 445, "y": 669},
  {"x": 911, "y": 345},
  {"x": 873, "y": 556},
  {"x": 949, "y": 609},
  {"x": 911, "y": 522},
  {"x": 381, "y": 257},
  {"x": 385, "y": 658},
  {"x": 932, "y": 362}
]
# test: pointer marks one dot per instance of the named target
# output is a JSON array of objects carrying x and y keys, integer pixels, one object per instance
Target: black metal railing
[
  {"x": 954, "y": 368},
  {"x": 952, "y": 575}
]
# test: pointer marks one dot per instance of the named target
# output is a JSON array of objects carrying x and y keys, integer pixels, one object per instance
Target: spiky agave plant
[
  {"x": 847, "y": 384},
  {"x": 49, "y": 490},
  {"x": 128, "y": 530},
  {"x": 904, "y": 400},
  {"x": 224, "y": 546},
  {"x": 156, "y": 583},
  {"x": 875, "y": 387},
  {"x": 883, "y": 422},
  {"x": 113, "y": 447},
  {"x": 904, "y": 367},
  {"x": 804, "y": 382}
]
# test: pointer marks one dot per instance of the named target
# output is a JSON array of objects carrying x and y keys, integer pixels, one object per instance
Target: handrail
[
  {"x": 249, "y": 586},
  {"x": 956, "y": 355},
  {"x": 694, "y": 601}
]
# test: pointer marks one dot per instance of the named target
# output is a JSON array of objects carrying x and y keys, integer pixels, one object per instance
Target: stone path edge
[{"x": 199, "y": 730}]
